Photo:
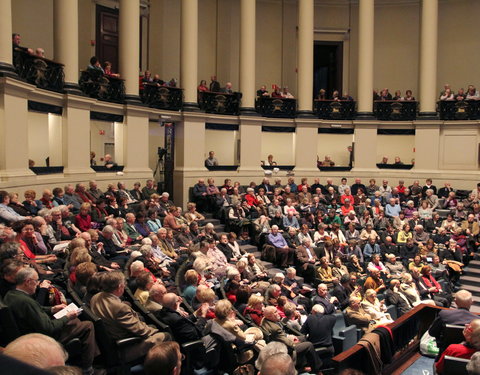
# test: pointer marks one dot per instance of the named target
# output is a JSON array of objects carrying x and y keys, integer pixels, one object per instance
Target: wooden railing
[
  {"x": 95, "y": 84},
  {"x": 407, "y": 332},
  {"x": 335, "y": 109},
  {"x": 39, "y": 71},
  {"x": 459, "y": 110},
  {"x": 220, "y": 103},
  {"x": 162, "y": 97},
  {"x": 393, "y": 110},
  {"x": 276, "y": 107}
]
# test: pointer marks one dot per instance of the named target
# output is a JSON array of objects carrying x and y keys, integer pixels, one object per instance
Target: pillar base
[
  {"x": 365, "y": 116},
  {"x": 428, "y": 116},
  {"x": 305, "y": 114},
  {"x": 190, "y": 107},
  {"x": 133, "y": 99},
  {"x": 7, "y": 70},
  {"x": 72, "y": 88},
  {"x": 248, "y": 111}
]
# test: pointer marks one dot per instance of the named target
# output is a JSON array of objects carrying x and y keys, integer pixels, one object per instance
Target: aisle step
[
  {"x": 474, "y": 264},
  {"x": 469, "y": 280}
]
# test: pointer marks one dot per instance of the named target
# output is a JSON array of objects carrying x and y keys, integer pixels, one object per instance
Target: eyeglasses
[{"x": 37, "y": 281}]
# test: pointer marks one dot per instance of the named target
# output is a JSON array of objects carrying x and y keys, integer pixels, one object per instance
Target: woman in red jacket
[{"x": 83, "y": 220}]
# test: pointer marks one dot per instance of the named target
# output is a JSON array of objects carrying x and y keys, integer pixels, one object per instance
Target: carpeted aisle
[{"x": 422, "y": 366}]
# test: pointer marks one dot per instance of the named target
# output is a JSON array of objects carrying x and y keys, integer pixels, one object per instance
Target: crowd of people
[
  {"x": 370, "y": 252},
  {"x": 448, "y": 94}
]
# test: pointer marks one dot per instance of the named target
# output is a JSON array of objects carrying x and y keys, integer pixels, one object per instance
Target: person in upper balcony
[
  {"x": 286, "y": 94},
  {"x": 262, "y": 92},
  {"x": 40, "y": 52},
  {"x": 214, "y": 84},
  {"x": 385, "y": 95},
  {"x": 202, "y": 87},
  {"x": 384, "y": 160},
  {"x": 276, "y": 92},
  {"x": 472, "y": 93},
  {"x": 107, "y": 68},
  {"x": 95, "y": 64},
  {"x": 347, "y": 97},
  {"x": 269, "y": 161},
  {"x": 147, "y": 77},
  {"x": 460, "y": 94},
  {"x": 445, "y": 88},
  {"x": 211, "y": 160},
  {"x": 228, "y": 88},
  {"x": 398, "y": 161},
  {"x": 322, "y": 95},
  {"x": 336, "y": 95},
  {"x": 398, "y": 95},
  {"x": 16, "y": 47},
  {"x": 409, "y": 96},
  {"x": 375, "y": 95},
  {"x": 447, "y": 95},
  {"x": 109, "y": 163}
]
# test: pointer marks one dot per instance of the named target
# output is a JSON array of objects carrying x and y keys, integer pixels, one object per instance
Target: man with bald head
[
  {"x": 155, "y": 297},
  {"x": 278, "y": 364},
  {"x": 306, "y": 355},
  {"x": 185, "y": 328}
]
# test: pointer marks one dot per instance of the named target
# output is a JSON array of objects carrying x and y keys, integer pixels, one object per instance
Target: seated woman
[
  {"x": 192, "y": 214},
  {"x": 192, "y": 279},
  {"x": 354, "y": 265},
  {"x": 377, "y": 264},
  {"x": 416, "y": 264},
  {"x": 144, "y": 284},
  {"x": 375, "y": 308},
  {"x": 31, "y": 242},
  {"x": 425, "y": 212},
  {"x": 225, "y": 317},
  {"x": 409, "y": 289},
  {"x": 404, "y": 234},
  {"x": 232, "y": 284},
  {"x": 153, "y": 222},
  {"x": 450, "y": 224},
  {"x": 428, "y": 287},
  {"x": 254, "y": 309}
]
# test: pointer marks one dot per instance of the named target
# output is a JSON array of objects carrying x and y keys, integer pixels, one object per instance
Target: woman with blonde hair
[
  {"x": 192, "y": 214},
  {"x": 254, "y": 309},
  {"x": 375, "y": 308}
]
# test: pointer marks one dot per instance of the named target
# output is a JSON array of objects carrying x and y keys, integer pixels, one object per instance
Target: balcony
[
  {"x": 459, "y": 110},
  {"x": 389, "y": 110},
  {"x": 96, "y": 85},
  {"x": 39, "y": 71},
  {"x": 276, "y": 107},
  {"x": 334, "y": 109},
  {"x": 162, "y": 97},
  {"x": 220, "y": 103}
]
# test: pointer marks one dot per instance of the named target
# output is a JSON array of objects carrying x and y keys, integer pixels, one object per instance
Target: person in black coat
[
  {"x": 318, "y": 328},
  {"x": 340, "y": 291}
]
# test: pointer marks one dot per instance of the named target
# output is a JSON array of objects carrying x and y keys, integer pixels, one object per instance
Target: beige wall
[
  {"x": 280, "y": 145},
  {"x": 38, "y": 138},
  {"x": 97, "y": 141},
  {"x": 396, "y": 145},
  {"x": 334, "y": 145},
  {"x": 223, "y": 143},
  {"x": 156, "y": 139}
]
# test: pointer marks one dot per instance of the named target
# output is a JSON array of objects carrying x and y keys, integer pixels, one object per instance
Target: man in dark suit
[
  {"x": 340, "y": 291},
  {"x": 318, "y": 328},
  {"x": 31, "y": 317},
  {"x": 444, "y": 191},
  {"x": 459, "y": 316},
  {"x": 307, "y": 260},
  {"x": 265, "y": 185},
  {"x": 185, "y": 328},
  {"x": 305, "y": 350},
  {"x": 325, "y": 299}
]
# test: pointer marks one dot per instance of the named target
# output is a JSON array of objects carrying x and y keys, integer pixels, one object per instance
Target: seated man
[
  {"x": 31, "y": 317},
  {"x": 325, "y": 299},
  {"x": 284, "y": 254},
  {"x": 304, "y": 350},
  {"x": 465, "y": 349},
  {"x": 307, "y": 259},
  {"x": 355, "y": 314},
  {"x": 120, "y": 319},
  {"x": 374, "y": 281},
  {"x": 164, "y": 358},
  {"x": 211, "y": 161},
  {"x": 185, "y": 328},
  {"x": 318, "y": 328}
]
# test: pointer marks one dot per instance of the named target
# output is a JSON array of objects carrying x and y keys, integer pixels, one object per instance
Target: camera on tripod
[{"x": 161, "y": 153}]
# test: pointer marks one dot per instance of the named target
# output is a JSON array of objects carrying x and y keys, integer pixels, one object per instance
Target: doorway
[
  {"x": 107, "y": 36},
  {"x": 327, "y": 67}
]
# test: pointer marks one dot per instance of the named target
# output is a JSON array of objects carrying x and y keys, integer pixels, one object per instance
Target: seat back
[
  {"x": 339, "y": 323},
  {"x": 453, "y": 334},
  {"x": 457, "y": 366},
  {"x": 9, "y": 330}
]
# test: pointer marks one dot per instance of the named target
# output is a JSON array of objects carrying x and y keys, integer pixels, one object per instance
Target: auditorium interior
[{"x": 240, "y": 147}]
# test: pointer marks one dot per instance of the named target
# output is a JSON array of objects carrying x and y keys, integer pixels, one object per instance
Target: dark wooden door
[
  {"x": 107, "y": 36},
  {"x": 328, "y": 67}
]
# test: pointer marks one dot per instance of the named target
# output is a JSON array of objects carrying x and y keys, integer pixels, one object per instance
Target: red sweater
[
  {"x": 83, "y": 222},
  {"x": 454, "y": 350}
]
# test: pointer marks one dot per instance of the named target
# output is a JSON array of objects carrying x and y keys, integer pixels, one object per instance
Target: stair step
[
  {"x": 475, "y": 290},
  {"x": 472, "y": 272},
  {"x": 257, "y": 254},
  {"x": 213, "y": 221},
  {"x": 208, "y": 215},
  {"x": 267, "y": 265},
  {"x": 249, "y": 248},
  {"x": 272, "y": 271},
  {"x": 470, "y": 280},
  {"x": 474, "y": 264},
  {"x": 475, "y": 309},
  {"x": 219, "y": 228},
  {"x": 299, "y": 279}
]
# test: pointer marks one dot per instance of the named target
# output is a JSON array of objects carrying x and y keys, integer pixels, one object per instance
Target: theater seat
[
  {"x": 343, "y": 337},
  {"x": 453, "y": 334},
  {"x": 457, "y": 366}
]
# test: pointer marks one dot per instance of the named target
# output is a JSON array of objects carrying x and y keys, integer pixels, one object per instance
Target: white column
[
  {"x": 247, "y": 54},
  {"x": 428, "y": 57},
  {"x": 189, "y": 53},
  {"x": 306, "y": 12},
  {"x": 129, "y": 51},
  {"x": 306, "y": 139},
  {"x": 6, "y": 37},
  {"x": 65, "y": 22},
  {"x": 365, "y": 146},
  {"x": 365, "y": 56},
  {"x": 250, "y": 145},
  {"x": 135, "y": 133}
]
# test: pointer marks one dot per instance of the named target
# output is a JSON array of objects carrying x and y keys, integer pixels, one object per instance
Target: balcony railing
[
  {"x": 162, "y": 97},
  {"x": 39, "y": 71},
  {"x": 459, "y": 110},
  {"x": 335, "y": 109},
  {"x": 220, "y": 103},
  {"x": 276, "y": 107},
  {"x": 388, "y": 110},
  {"x": 95, "y": 84}
]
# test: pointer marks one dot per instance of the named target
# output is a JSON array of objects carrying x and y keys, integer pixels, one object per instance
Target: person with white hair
[
  {"x": 283, "y": 254},
  {"x": 272, "y": 348},
  {"x": 278, "y": 364},
  {"x": 37, "y": 350},
  {"x": 473, "y": 366},
  {"x": 318, "y": 328}
]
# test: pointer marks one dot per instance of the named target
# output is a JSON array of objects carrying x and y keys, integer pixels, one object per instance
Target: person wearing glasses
[{"x": 31, "y": 317}]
